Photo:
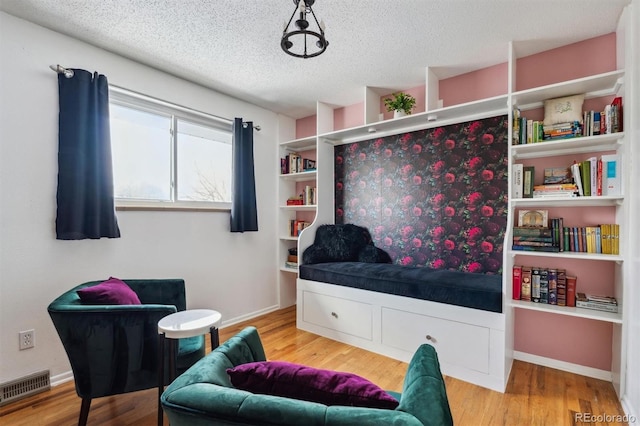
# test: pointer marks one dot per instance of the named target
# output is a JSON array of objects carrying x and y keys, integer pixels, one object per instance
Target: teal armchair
[
  {"x": 114, "y": 349},
  {"x": 204, "y": 395}
]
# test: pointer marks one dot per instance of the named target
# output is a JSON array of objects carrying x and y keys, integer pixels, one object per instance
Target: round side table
[{"x": 179, "y": 325}]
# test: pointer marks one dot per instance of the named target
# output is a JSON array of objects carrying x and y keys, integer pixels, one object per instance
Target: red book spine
[
  {"x": 599, "y": 178},
  {"x": 571, "y": 290},
  {"x": 517, "y": 281}
]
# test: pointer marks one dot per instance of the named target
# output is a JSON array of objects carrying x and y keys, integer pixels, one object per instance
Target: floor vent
[{"x": 24, "y": 386}]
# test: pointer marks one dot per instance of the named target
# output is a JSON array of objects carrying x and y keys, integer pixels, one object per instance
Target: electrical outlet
[{"x": 27, "y": 339}]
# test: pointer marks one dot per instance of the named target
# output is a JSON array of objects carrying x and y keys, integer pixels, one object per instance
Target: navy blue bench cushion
[{"x": 477, "y": 291}]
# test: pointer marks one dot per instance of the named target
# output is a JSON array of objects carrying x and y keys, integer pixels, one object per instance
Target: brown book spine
[
  {"x": 571, "y": 290},
  {"x": 562, "y": 287},
  {"x": 525, "y": 293}
]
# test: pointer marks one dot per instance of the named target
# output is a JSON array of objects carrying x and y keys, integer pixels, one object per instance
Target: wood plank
[{"x": 535, "y": 395}]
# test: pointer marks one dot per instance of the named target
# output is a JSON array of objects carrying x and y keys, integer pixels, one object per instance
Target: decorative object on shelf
[
  {"x": 301, "y": 32},
  {"x": 401, "y": 104}
]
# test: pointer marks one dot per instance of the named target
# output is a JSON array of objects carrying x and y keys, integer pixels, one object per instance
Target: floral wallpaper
[{"x": 434, "y": 197}]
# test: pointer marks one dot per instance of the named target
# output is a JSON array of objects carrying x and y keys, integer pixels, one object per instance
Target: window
[{"x": 167, "y": 155}]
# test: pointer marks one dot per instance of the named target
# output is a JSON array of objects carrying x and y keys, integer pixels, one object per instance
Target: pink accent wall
[
  {"x": 349, "y": 116},
  {"x": 480, "y": 84},
  {"x": 416, "y": 92},
  {"x": 570, "y": 339},
  {"x": 588, "y": 57},
  {"x": 306, "y": 127}
]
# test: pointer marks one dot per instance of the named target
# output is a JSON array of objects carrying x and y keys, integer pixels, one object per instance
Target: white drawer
[
  {"x": 343, "y": 315},
  {"x": 457, "y": 343}
]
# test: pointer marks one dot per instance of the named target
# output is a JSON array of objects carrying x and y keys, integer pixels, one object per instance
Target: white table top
[{"x": 189, "y": 323}]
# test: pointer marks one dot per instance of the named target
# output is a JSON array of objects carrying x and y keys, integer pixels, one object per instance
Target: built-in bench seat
[{"x": 477, "y": 291}]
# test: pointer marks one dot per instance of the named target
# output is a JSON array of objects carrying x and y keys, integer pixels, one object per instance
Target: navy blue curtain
[
  {"x": 244, "y": 214},
  {"x": 85, "y": 176}
]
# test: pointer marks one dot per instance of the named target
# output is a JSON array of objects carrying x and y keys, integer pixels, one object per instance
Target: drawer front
[
  {"x": 457, "y": 343},
  {"x": 343, "y": 315}
]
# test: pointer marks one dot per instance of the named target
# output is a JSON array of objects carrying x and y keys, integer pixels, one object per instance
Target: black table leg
[
  {"x": 160, "y": 376},
  {"x": 215, "y": 338}
]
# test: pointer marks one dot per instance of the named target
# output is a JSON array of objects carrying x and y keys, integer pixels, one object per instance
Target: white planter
[{"x": 399, "y": 113}]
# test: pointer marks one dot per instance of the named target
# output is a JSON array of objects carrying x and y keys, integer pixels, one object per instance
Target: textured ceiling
[{"x": 233, "y": 46}]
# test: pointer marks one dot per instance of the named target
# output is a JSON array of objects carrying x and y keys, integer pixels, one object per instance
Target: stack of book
[
  {"x": 598, "y": 303},
  {"x": 543, "y": 285},
  {"x": 555, "y": 190},
  {"x": 562, "y": 131},
  {"x": 527, "y": 238}
]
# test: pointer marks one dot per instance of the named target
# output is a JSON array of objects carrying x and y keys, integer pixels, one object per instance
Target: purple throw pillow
[
  {"x": 110, "y": 292},
  {"x": 310, "y": 384}
]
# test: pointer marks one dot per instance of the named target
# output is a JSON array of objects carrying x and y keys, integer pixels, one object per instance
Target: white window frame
[{"x": 130, "y": 99}]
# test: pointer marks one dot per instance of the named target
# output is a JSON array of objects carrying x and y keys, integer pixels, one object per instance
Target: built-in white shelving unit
[{"x": 607, "y": 84}]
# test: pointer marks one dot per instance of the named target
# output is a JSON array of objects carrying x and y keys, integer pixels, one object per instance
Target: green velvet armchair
[
  {"x": 113, "y": 349},
  {"x": 204, "y": 395}
]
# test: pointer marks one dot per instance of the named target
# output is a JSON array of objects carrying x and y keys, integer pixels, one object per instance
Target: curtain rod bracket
[{"x": 68, "y": 72}]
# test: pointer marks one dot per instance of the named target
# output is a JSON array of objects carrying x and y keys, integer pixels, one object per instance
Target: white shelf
[
  {"x": 290, "y": 270},
  {"x": 300, "y": 208},
  {"x": 302, "y": 144},
  {"x": 484, "y": 108},
  {"x": 605, "y": 84},
  {"x": 598, "y": 201},
  {"x": 300, "y": 177},
  {"x": 288, "y": 238},
  {"x": 567, "y": 310},
  {"x": 600, "y": 143},
  {"x": 570, "y": 255}
]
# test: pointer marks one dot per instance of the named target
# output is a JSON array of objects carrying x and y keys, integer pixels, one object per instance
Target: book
[
  {"x": 520, "y": 247},
  {"x": 526, "y": 231},
  {"x": 525, "y": 239},
  {"x": 557, "y": 175},
  {"x": 593, "y": 175},
  {"x": 561, "y": 287},
  {"x": 611, "y": 178},
  {"x": 535, "y": 218},
  {"x": 544, "y": 285},
  {"x": 516, "y": 281},
  {"x": 535, "y": 284},
  {"x": 596, "y": 306},
  {"x": 552, "y": 277},
  {"x": 616, "y": 115},
  {"x": 517, "y": 181},
  {"x": 525, "y": 293},
  {"x": 571, "y": 290},
  {"x": 527, "y": 181},
  {"x": 585, "y": 175},
  {"x": 577, "y": 179}
]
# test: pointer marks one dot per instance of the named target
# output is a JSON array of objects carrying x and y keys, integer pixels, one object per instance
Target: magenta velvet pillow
[
  {"x": 110, "y": 292},
  {"x": 310, "y": 384}
]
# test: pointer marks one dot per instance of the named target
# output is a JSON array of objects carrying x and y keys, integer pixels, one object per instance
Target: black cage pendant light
[{"x": 301, "y": 41}]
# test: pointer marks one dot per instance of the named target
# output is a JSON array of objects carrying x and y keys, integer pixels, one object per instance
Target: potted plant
[{"x": 401, "y": 104}]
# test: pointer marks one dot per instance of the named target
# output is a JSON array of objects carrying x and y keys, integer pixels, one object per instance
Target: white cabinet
[
  {"x": 457, "y": 343},
  {"x": 339, "y": 314}
]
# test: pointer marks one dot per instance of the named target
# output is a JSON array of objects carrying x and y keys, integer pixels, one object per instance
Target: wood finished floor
[{"x": 535, "y": 395}]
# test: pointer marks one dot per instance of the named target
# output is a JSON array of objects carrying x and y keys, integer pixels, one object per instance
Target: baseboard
[
  {"x": 251, "y": 315},
  {"x": 564, "y": 366},
  {"x": 59, "y": 379}
]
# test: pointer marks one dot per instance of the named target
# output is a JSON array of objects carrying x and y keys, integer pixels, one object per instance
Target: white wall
[{"x": 232, "y": 273}]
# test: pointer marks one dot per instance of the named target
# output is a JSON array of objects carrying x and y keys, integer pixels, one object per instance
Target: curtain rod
[{"x": 69, "y": 73}]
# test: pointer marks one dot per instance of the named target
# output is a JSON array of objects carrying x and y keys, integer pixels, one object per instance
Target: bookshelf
[
  {"x": 289, "y": 184},
  {"x": 599, "y": 87}
]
